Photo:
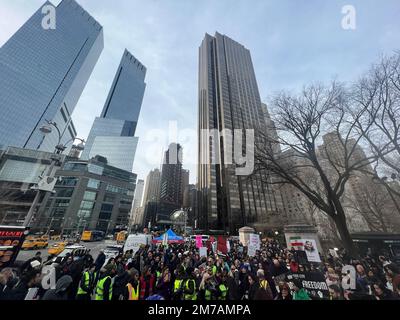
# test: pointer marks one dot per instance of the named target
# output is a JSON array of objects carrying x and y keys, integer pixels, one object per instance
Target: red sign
[{"x": 11, "y": 240}]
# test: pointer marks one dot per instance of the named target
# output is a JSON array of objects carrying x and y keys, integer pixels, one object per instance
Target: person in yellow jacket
[
  {"x": 104, "y": 286},
  {"x": 189, "y": 285},
  {"x": 87, "y": 284},
  {"x": 132, "y": 290}
]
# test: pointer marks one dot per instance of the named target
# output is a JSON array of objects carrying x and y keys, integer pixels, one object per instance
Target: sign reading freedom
[{"x": 313, "y": 282}]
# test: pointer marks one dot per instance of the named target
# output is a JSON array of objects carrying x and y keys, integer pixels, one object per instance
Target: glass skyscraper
[
  {"x": 43, "y": 73},
  {"x": 229, "y": 99},
  {"x": 113, "y": 133}
]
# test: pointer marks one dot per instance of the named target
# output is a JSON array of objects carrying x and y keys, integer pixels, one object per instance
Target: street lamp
[{"x": 55, "y": 159}]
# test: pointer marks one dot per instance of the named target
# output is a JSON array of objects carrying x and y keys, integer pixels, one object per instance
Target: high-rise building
[
  {"x": 152, "y": 187},
  {"x": 185, "y": 184},
  {"x": 113, "y": 133},
  {"x": 43, "y": 73},
  {"x": 229, "y": 99},
  {"x": 171, "y": 176},
  {"x": 137, "y": 199}
]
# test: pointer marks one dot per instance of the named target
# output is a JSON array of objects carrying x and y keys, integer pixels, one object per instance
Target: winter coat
[{"x": 61, "y": 290}]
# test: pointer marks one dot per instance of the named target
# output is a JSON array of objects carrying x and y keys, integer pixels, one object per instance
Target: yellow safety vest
[
  {"x": 190, "y": 296},
  {"x": 224, "y": 291},
  {"x": 100, "y": 289},
  {"x": 133, "y": 295},
  {"x": 87, "y": 282},
  {"x": 177, "y": 285}
]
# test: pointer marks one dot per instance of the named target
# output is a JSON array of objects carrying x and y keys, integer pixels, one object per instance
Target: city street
[{"x": 94, "y": 247}]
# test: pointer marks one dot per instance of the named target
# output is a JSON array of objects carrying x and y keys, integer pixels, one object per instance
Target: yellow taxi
[
  {"x": 57, "y": 248},
  {"x": 35, "y": 243}
]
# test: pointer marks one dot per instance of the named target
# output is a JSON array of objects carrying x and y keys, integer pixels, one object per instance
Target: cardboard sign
[{"x": 203, "y": 252}]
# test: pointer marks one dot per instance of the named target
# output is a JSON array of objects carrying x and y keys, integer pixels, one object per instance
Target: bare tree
[
  {"x": 319, "y": 114},
  {"x": 377, "y": 97},
  {"x": 374, "y": 206}
]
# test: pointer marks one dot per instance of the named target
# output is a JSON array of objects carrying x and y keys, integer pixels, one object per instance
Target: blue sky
[{"x": 292, "y": 42}]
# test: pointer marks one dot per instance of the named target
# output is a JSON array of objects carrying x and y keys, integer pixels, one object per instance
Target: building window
[
  {"x": 65, "y": 193},
  {"x": 109, "y": 198},
  {"x": 93, "y": 183},
  {"x": 89, "y": 195},
  {"x": 68, "y": 181},
  {"x": 87, "y": 205},
  {"x": 92, "y": 168}
]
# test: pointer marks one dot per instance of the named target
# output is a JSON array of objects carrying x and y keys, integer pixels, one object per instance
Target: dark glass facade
[{"x": 229, "y": 99}]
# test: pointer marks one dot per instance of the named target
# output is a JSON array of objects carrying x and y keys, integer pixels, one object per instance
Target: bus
[{"x": 88, "y": 236}]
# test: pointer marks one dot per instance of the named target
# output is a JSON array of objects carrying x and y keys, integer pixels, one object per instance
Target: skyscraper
[
  {"x": 43, "y": 73},
  {"x": 229, "y": 99},
  {"x": 137, "y": 200},
  {"x": 185, "y": 184},
  {"x": 171, "y": 177},
  {"x": 152, "y": 187},
  {"x": 113, "y": 133}
]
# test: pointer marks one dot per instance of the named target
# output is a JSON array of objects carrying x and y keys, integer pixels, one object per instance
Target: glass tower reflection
[
  {"x": 43, "y": 73},
  {"x": 112, "y": 134}
]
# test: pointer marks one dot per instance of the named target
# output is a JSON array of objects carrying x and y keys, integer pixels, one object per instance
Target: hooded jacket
[{"x": 61, "y": 290}]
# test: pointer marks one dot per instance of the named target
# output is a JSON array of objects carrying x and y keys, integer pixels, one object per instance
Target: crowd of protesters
[{"x": 178, "y": 272}]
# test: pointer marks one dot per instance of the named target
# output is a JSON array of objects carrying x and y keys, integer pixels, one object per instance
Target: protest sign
[
  {"x": 313, "y": 282},
  {"x": 254, "y": 241},
  {"x": 203, "y": 252},
  {"x": 310, "y": 247},
  {"x": 199, "y": 241}
]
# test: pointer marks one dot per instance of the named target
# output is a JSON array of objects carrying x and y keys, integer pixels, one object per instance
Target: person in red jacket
[{"x": 147, "y": 282}]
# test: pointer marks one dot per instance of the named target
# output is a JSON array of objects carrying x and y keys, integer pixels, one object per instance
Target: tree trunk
[{"x": 345, "y": 237}]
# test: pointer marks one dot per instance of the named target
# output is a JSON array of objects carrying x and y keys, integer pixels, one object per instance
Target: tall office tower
[
  {"x": 137, "y": 199},
  {"x": 152, "y": 187},
  {"x": 271, "y": 130},
  {"x": 229, "y": 99},
  {"x": 171, "y": 178},
  {"x": 43, "y": 73},
  {"x": 185, "y": 184},
  {"x": 113, "y": 133}
]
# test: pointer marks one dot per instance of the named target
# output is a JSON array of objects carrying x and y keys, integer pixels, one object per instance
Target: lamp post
[{"x": 55, "y": 159}]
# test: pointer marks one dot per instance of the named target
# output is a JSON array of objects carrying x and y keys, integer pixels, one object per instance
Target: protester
[
  {"x": 61, "y": 290},
  {"x": 177, "y": 272},
  {"x": 87, "y": 284},
  {"x": 284, "y": 292}
]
